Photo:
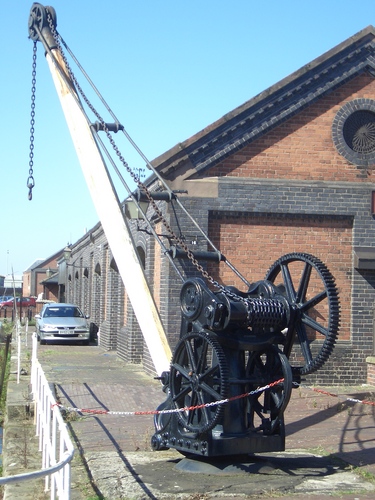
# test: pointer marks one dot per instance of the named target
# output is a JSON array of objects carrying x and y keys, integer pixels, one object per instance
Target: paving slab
[{"x": 329, "y": 446}]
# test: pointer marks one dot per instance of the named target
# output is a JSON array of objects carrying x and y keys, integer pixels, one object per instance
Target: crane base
[{"x": 216, "y": 443}]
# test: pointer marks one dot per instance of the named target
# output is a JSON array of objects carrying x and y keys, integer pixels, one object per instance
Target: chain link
[{"x": 30, "y": 179}]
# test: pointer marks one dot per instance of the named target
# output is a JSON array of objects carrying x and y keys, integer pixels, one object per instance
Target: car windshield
[{"x": 63, "y": 312}]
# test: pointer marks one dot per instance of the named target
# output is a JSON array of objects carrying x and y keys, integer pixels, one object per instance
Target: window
[{"x": 353, "y": 132}]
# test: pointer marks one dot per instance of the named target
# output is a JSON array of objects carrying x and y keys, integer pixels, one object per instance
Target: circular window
[{"x": 353, "y": 132}]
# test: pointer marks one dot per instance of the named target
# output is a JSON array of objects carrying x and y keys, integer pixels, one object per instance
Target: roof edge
[{"x": 178, "y": 149}]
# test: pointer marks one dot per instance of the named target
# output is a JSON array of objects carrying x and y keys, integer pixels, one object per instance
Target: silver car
[{"x": 60, "y": 321}]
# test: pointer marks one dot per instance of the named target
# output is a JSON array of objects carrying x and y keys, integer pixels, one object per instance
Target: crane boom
[{"x": 103, "y": 195}]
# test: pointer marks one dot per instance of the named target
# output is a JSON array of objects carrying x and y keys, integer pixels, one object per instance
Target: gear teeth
[{"x": 333, "y": 302}]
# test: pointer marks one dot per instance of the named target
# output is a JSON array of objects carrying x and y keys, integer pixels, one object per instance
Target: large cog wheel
[
  {"x": 198, "y": 376},
  {"x": 311, "y": 291},
  {"x": 266, "y": 409}
]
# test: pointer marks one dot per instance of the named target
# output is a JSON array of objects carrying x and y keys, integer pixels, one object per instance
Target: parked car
[
  {"x": 26, "y": 302},
  {"x": 5, "y": 298},
  {"x": 61, "y": 321}
]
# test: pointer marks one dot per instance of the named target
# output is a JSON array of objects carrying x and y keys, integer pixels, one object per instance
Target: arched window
[
  {"x": 142, "y": 256},
  {"x": 113, "y": 265}
]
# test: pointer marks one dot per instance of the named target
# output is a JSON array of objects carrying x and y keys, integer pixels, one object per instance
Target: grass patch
[
  {"x": 7, "y": 326},
  {"x": 319, "y": 450},
  {"x": 5, "y": 354},
  {"x": 363, "y": 473},
  {"x": 3, "y": 397}
]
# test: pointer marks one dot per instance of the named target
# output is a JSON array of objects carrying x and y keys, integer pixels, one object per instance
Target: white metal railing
[{"x": 54, "y": 440}]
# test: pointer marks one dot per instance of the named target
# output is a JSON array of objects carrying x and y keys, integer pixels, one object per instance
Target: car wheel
[{"x": 42, "y": 342}]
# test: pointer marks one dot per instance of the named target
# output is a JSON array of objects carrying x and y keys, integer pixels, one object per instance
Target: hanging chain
[
  {"x": 135, "y": 176},
  {"x": 30, "y": 180}
]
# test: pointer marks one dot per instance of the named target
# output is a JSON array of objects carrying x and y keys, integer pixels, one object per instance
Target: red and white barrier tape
[
  {"x": 174, "y": 410},
  {"x": 326, "y": 393},
  {"x": 206, "y": 405}
]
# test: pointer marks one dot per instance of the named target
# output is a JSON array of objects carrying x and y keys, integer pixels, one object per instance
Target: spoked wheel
[
  {"x": 162, "y": 420},
  {"x": 198, "y": 376},
  {"x": 267, "y": 408},
  {"x": 310, "y": 289},
  {"x": 38, "y": 19}
]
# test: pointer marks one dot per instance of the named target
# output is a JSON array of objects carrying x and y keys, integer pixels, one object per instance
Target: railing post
[
  {"x": 54, "y": 477},
  {"x": 52, "y": 432}
]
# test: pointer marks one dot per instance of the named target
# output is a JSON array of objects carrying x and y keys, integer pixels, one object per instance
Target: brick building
[
  {"x": 38, "y": 280},
  {"x": 291, "y": 170}
]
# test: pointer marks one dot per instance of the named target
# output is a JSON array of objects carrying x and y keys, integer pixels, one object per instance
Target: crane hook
[{"x": 30, "y": 185}]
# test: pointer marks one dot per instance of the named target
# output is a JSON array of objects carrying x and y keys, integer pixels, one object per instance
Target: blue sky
[{"x": 167, "y": 69}]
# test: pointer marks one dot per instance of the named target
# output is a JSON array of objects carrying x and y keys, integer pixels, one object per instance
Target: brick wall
[
  {"x": 302, "y": 148},
  {"x": 113, "y": 311},
  {"x": 371, "y": 370}
]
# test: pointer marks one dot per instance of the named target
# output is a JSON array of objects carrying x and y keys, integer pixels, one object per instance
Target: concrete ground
[{"x": 330, "y": 444}]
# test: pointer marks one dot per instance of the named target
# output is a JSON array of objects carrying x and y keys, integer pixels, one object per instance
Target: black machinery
[{"x": 233, "y": 343}]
